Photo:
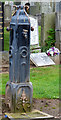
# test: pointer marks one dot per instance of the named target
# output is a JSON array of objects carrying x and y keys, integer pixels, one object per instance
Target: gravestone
[
  {"x": 58, "y": 25},
  {"x": 46, "y": 7},
  {"x": 41, "y": 59},
  {"x": 1, "y": 26},
  {"x": 46, "y": 25},
  {"x": 35, "y": 8},
  {"x": 57, "y": 33},
  {"x": 34, "y": 40},
  {"x": 11, "y": 3},
  {"x": 58, "y": 6},
  {"x": 7, "y": 13}
]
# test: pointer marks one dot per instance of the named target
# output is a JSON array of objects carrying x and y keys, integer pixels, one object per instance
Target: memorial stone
[
  {"x": 7, "y": 13},
  {"x": 46, "y": 25},
  {"x": 34, "y": 40},
  {"x": 58, "y": 6},
  {"x": 46, "y": 7},
  {"x": 35, "y": 8},
  {"x": 57, "y": 33},
  {"x": 11, "y": 3},
  {"x": 41, "y": 59}
]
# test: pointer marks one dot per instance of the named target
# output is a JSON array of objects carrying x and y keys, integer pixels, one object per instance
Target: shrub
[{"x": 50, "y": 42}]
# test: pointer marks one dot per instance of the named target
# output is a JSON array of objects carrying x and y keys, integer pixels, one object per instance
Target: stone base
[
  {"x": 33, "y": 115},
  {"x": 56, "y": 59},
  {"x": 18, "y": 97}
]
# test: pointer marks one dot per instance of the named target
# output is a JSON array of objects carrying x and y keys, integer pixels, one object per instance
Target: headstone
[
  {"x": 58, "y": 32},
  {"x": 46, "y": 7},
  {"x": 1, "y": 26},
  {"x": 35, "y": 8},
  {"x": 7, "y": 12},
  {"x": 46, "y": 24},
  {"x": 23, "y": 2},
  {"x": 34, "y": 35},
  {"x": 58, "y": 6},
  {"x": 11, "y": 3},
  {"x": 41, "y": 59},
  {"x": 57, "y": 27}
]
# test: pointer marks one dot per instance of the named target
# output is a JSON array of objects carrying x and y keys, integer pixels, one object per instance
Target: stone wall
[{"x": 47, "y": 22}]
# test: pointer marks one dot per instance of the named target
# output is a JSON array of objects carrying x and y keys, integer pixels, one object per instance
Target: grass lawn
[
  {"x": 6, "y": 40},
  {"x": 45, "y": 81},
  {"x": 39, "y": 29}
]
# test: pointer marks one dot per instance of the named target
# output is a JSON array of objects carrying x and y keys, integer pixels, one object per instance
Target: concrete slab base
[{"x": 33, "y": 115}]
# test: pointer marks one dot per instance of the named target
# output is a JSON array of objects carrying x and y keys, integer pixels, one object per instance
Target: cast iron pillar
[{"x": 19, "y": 88}]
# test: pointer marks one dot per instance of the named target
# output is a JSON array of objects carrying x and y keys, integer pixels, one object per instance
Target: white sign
[
  {"x": 34, "y": 34},
  {"x": 41, "y": 59}
]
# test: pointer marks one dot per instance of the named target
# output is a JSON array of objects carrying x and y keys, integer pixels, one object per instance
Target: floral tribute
[{"x": 53, "y": 51}]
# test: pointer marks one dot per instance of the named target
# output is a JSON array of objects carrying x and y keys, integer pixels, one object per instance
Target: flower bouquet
[{"x": 53, "y": 51}]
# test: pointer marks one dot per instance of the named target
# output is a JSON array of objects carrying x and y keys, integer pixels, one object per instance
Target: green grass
[
  {"x": 3, "y": 79},
  {"x": 45, "y": 81},
  {"x": 6, "y": 40},
  {"x": 39, "y": 29}
]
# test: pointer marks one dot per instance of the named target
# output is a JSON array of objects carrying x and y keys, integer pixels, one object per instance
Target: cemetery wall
[{"x": 47, "y": 22}]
